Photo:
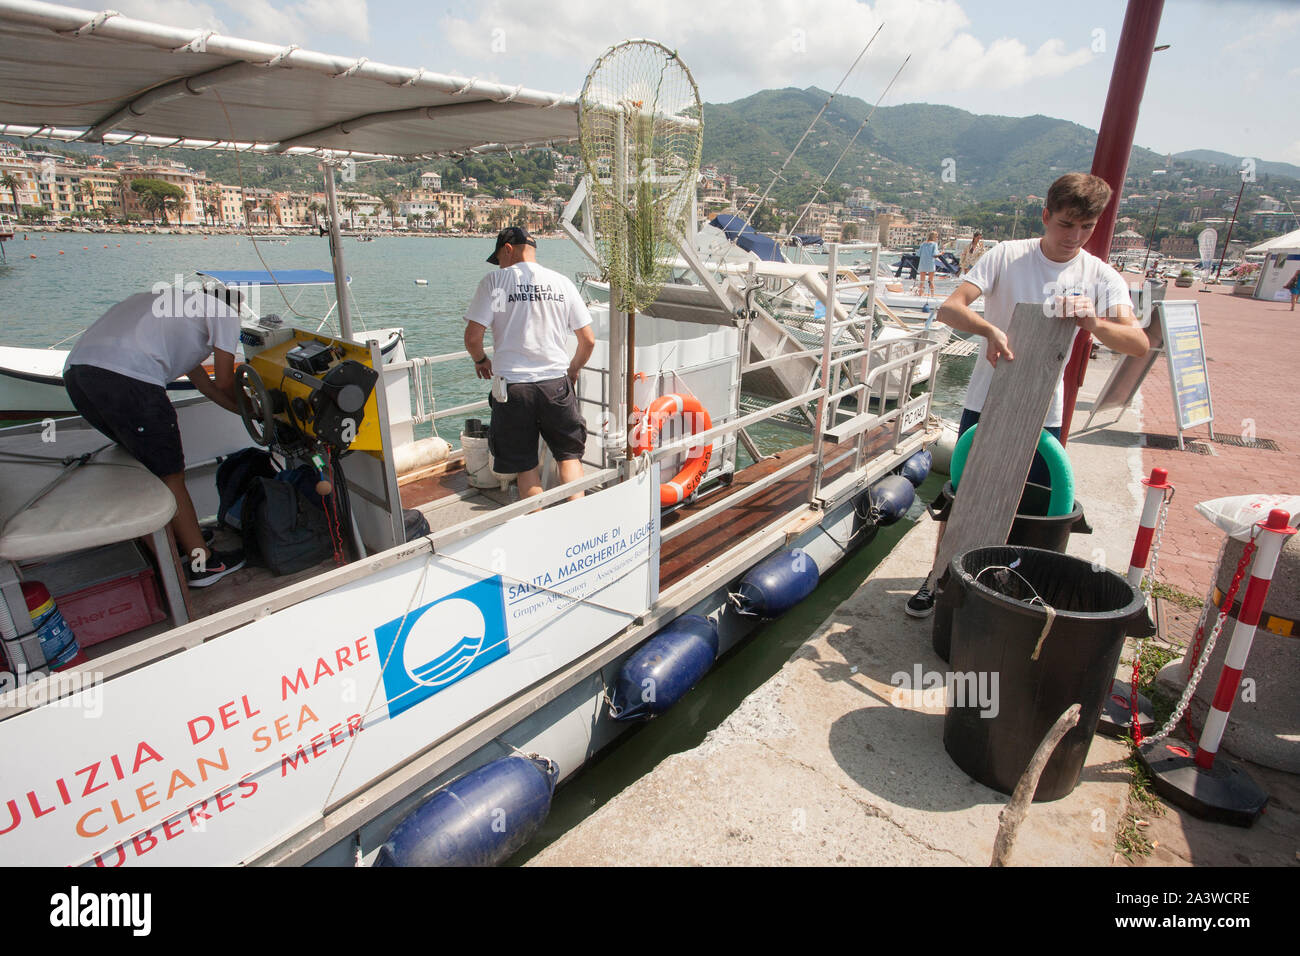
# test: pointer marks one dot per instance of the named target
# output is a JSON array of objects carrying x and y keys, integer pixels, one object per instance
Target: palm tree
[
  {"x": 88, "y": 195},
  {"x": 445, "y": 209},
  {"x": 350, "y": 205},
  {"x": 11, "y": 182},
  {"x": 391, "y": 205},
  {"x": 268, "y": 207}
]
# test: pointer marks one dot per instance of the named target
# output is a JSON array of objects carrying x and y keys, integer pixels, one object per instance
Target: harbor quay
[
  {"x": 837, "y": 761},
  {"x": 1249, "y": 347}
]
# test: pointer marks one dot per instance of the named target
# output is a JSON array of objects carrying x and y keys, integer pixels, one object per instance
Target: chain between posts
[
  {"x": 1199, "y": 659},
  {"x": 1148, "y": 585}
]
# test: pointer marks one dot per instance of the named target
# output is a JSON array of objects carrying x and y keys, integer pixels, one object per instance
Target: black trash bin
[
  {"x": 1032, "y": 528},
  {"x": 995, "y": 630}
]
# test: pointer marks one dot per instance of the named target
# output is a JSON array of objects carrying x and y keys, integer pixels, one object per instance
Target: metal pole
[
  {"x": 619, "y": 436},
  {"x": 828, "y": 324},
  {"x": 1224, "y": 254},
  {"x": 1128, "y": 80},
  {"x": 336, "y": 254},
  {"x": 1151, "y": 234}
]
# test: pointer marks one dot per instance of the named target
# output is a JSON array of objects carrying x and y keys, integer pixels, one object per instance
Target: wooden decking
[{"x": 701, "y": 544}]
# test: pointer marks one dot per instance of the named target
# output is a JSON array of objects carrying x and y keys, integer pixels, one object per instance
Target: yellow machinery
[{"x": 312, "y": 388}]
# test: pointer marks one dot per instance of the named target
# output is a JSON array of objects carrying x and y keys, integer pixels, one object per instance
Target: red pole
[{"x": 1128, "y": 79}]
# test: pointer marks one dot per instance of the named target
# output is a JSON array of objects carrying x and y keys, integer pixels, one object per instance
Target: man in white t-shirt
[
  {"x": 531, "y": 311},
  {"x": 117, "y": 376},
  {"x": 1071, "y": 284}
]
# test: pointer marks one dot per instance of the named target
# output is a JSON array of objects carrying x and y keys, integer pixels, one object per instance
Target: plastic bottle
[{"x": 58, "y": 643}]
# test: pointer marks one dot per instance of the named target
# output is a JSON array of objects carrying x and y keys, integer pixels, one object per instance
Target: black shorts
[
  {"x": 135, "y": 414},
  {"x": 548, "y": 409}
]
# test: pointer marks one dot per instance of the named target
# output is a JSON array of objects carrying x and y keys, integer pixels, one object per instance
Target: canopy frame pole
[{"x": 336, "y": 252}]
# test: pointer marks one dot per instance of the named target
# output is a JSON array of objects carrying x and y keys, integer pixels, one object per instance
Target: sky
[{"x": 1230, "y": 80}]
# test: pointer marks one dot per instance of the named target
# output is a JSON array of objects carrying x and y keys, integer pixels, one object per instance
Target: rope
[
  {"x": 1037, "y": 598},
  {"x": 69, "y": 465},
  {"x": 239, "y": 173},
  {"x": 749, "y": 216},
  {"x": 90, "y": 26}
]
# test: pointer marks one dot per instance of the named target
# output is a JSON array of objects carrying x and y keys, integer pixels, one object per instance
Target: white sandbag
[
  {"x": 478, "y": 464},
  {"x": 420, "y": 454},
  {"x": 1237, "y": 515}
]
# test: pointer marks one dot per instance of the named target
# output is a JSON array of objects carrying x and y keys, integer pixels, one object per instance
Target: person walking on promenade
[{"x": 1294, "y": 288}]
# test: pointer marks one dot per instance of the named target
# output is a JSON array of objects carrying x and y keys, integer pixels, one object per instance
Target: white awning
[
  {"x": 101, "y": 77},
  {"x": 1290, "y": 241}
]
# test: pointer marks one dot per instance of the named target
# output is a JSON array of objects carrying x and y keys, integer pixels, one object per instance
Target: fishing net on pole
[{"x": 640, "y": 135}]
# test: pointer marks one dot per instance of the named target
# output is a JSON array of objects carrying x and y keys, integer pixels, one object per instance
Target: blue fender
[
  {"x": 668, "y": 665},
  {"x": 777, "y": 583},
  {"x": 917, "y": 468},
  {"x": 890, "y": 498},
  {"x": 479, "y": 819}
]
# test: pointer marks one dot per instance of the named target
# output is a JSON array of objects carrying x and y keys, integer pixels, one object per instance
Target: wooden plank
[{"x": 1011, "y": 420}]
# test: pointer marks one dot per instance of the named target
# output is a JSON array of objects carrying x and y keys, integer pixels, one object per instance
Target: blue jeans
[{"x": 1038, "y": 473}]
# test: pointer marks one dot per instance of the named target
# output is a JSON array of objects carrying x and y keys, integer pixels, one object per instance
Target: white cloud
[
  {"x": 736, "y": 45},
  {"x": 265, "y": 20},
  {"x": 172, "y": 13},
  {"x": 1279, "y": 28},
  {"x": 299, "y": 22}
]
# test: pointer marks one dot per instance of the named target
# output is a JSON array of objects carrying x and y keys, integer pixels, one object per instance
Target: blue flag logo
[{"x": 442, "y": 642}]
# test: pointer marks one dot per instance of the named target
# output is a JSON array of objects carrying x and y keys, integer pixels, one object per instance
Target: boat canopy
[
  {"x": 262, "y": 277},
  {"x": 1289, "y": 241},
  {"x": 71, "y": 74},
  {"x": 803, "y": 239},
  {"x": 747, "y": 237}
]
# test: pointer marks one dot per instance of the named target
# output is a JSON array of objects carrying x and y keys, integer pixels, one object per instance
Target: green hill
[{"x": 950, "y": 157}]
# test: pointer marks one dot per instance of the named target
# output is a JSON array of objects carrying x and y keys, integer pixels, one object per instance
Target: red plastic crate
[
  {"x": 102, "y": 593},
  {"x": 115, "y": 607}
]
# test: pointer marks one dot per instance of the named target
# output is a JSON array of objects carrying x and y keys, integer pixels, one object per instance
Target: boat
[
  {"x": 31, "y": 380},
  {"x": 325, "y": 717}
]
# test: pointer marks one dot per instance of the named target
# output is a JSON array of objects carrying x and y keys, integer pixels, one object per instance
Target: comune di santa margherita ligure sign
[{"x": 215, "y": 754}]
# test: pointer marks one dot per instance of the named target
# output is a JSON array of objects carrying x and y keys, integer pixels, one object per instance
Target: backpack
[
  {"x": 234, "y": 476},
  {"x": 282, "y": 529}
]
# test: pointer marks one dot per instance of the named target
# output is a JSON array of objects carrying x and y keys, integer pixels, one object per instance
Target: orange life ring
[{"x": 680, "y": 487}]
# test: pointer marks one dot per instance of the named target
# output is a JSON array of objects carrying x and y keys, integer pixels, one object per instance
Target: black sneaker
[
  {"x": 209, "y": 535},
  {"x": 921, "y": 604},
  {"x": 219, "y": 564}
]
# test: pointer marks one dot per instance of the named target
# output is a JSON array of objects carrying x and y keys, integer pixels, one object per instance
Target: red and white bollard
[
  {"x": 1273, "y": 534},
  {"x": 1157, "y": 484},
  {"x": 1117, "y": 713},
  {"x": 1217, "y": 789}
]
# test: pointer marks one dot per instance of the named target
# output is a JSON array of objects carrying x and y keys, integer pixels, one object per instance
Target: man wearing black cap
[{"x": 531, "y": 310}]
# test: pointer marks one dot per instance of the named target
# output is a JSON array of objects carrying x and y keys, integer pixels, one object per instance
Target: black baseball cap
[{"x": 512, "y": 235}]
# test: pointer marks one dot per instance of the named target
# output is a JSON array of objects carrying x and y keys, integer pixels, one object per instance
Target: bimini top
[
  {"x": 74, "y": 74},
  {"x": 261, "y": 277},
  {"x": 748, "y": 238}
]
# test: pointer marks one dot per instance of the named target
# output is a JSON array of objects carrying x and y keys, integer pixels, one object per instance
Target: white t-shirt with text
[
  {"x": 531, "y": 311},
  {"x": 1017, "y": 271},
  {"x": 157, "y": 337}
]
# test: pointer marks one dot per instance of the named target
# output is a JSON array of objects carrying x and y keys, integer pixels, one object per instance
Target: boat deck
[{"x": 445, "y": 497}]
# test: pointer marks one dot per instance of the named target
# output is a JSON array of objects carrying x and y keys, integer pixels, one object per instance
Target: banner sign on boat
[
  {"x": 218, "y": 753},
  {"x": 1188, "y": 375}
]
